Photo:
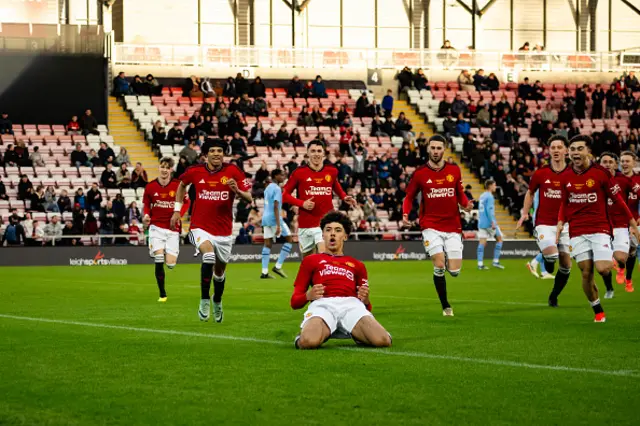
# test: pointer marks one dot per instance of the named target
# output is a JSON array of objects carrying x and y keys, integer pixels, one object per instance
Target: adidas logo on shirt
[
  {"x": 429, "y": 181},
  {"x": 548, "y": 181},
  {"x": 569, "y": 185},
  {"x": 202, "y": 181},
  {"x": 156, "y": 194},
  {"x": 308, "y": 179}
]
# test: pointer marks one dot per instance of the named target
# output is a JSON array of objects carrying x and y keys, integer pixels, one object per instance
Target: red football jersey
[
  {"x": 213, "y": 207},
  {"x": 340, "y": 275},
  {"x": 634, "y": 193},
  {"x": 584, "y": 200},
  {"x": 319, "y": 185},
  {"x": 442, "y": 192},
  {"x": 616, "y": 212},
  {"x": 549, "y": 182},
  {"x": 158, "y": 202}
]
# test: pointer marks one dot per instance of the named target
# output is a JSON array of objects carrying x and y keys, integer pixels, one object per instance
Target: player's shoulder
[{"x": 598, "y": 170}]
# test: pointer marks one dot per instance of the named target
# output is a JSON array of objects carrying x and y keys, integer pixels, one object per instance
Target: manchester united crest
[
  {"x": 224, "y": 180},
  {"x": 590, "y": 183},
  {"x": 172, "y": 193},
  {"x": 426, "y": 243},
  {"x": 327, "y": 178},
  {"x": 351, "y": 265},
  {"x": 450, "y": 178}
]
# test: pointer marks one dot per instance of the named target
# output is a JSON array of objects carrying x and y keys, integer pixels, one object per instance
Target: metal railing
[{"x": 276, "y": 57}]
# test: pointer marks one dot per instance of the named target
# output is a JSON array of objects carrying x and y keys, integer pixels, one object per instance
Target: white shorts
[
  {"x": 221, "y": 245},
  {"x": 163, "y": 239},
  {"x": 341, "y": 314},
  {"x": 436, "y": 242},
  {"x": 489, "y": 233},
  {"x": 546, "y": 237},
  {"x": 270, "y": 231},
  {"x": 591, "y": 246},
  {"x": 309, "y": 238},
  {"x": 621, "y": 240}
]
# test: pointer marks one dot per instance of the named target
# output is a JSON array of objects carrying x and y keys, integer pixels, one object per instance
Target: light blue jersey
[
  {"x": 487, "y": 211},
  {"x": 272, "y": 194}
]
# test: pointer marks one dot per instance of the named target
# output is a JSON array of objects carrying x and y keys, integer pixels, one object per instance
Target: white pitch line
[
  {"x": 497, "y": 362},
  {"x": 493, "y": 302}
]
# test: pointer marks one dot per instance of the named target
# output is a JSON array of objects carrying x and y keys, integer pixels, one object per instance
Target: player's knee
[
  {"x": 438, "y": 272},
  {"x": 308, "y": 341},
  {"x": 158, "y": 258},
  {"x": 209, "y": 258},
  {"x": 381, "y": 340},
  {"x": 551, "y": 258},
  {"x": 171, "y": 265},
  {"x": 604, "y": 269},
  {"x": 454, "y": 272}
]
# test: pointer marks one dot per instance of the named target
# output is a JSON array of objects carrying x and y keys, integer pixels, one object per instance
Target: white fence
[{"x": 239, "y": 56}]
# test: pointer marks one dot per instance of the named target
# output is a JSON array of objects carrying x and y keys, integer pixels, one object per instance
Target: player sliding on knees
[
  {"x": 314, "y": 185},
  {"x": 440, "y": 183},
  {"x": 628, "y": 163},
  {"x": 158, "y": 204},
  {"x": 338, "y": 289},
  {"x": 217, "y": 184},
  {"x": 274, "y": 226},
  {"x": 619, "y": 222},
  {"x": 585, "y": 189},
  {"x": 547, "y": 180}
]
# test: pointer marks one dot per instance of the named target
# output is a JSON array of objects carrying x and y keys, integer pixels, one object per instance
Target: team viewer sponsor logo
[
  {"x": 213, "y": 195},
  {"x": 318, "y": 190},
  {"x": 400, "y": 254},
  {"x": 590, "y": 197},
  {"x": 98, "y": 260},
  {"x": 442, "y": 193},
  {"x": 553, "y": 193}
]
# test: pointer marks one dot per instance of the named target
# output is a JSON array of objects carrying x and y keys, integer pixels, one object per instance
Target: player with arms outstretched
[
  {"x": 585, "y": 189},
  {"x": 619, "y": 222},
  {"x": 314, "y": 185},
  {"x": 488, "y": 226},
  {"x": 338, "y": 288},
  {"x": 158, "y": 204},
  {"x": 440, "y": 183},
  {"x": 273, "y": 225},
  {"x": 627, "y": 164},
  {"x": 547, "y": 180},
  {"x": 217, "y": 184}
]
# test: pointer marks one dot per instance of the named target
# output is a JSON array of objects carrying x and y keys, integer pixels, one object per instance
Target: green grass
[{"x": 488, "y": 365}]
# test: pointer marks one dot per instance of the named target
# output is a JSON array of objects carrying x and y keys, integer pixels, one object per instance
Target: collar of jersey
[{"x": 206, "y": 166}]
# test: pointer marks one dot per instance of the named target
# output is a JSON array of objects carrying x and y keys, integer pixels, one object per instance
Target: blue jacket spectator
[
  {"x": 463, "y": 128},
  {"x": 14, "y": 234},
  {"x": 319, "y": 90},
  {"x": 121, "y": 85},
  {"x": 387, "y": 104}
]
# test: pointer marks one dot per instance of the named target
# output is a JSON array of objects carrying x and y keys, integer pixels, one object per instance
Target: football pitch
[{"x": 90, "y": 345}]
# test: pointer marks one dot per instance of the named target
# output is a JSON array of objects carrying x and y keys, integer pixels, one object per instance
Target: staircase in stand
[{"x": 126, "y": 134}]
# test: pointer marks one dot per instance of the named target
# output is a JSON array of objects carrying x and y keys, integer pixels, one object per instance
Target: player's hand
[
  {"x": 316, "y": 292},
  {"x": 350, "y": 200},
  {"x": 146, "y": 220},
  {"x": 523, "y": 218},
  {"x": 469, "y": 207},
  {"x": 233, "y": 185},
  {"x": 309, "y": 204},
  {"x": 277, "y": 231},
  {"x": 175, "y": 218},
  {"x": 363, "y": 294},
  {"x": 405, "y": 221},
  {"x": 635, "y": 232},
  {"x": 493, "y": 225},
  {"x": 559, "y": 229}
]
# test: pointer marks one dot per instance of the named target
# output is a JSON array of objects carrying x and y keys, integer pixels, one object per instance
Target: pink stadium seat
[{"x": 71, "y": 172}]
